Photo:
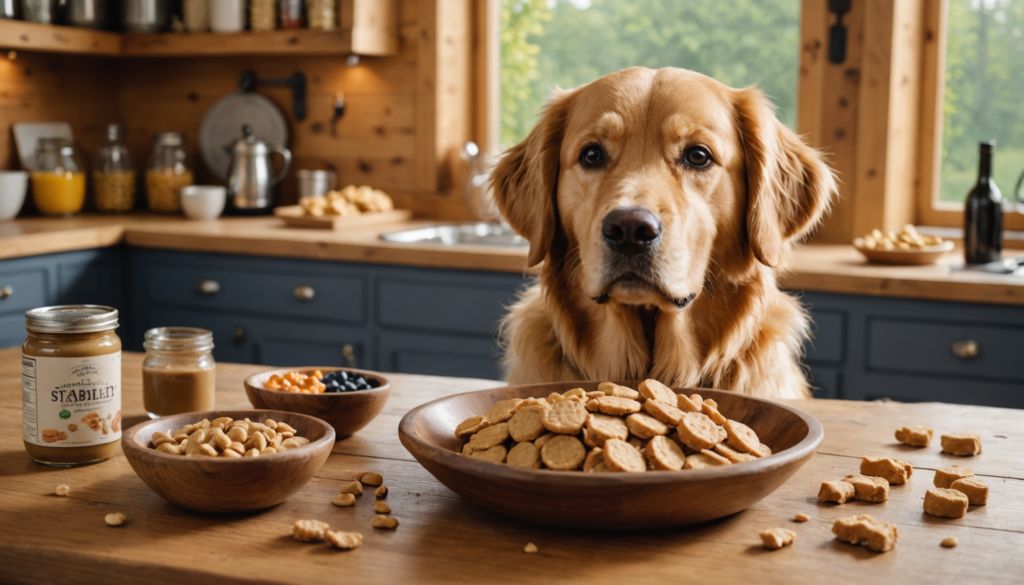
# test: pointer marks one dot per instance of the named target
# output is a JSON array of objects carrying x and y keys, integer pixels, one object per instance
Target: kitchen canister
[
  {"x": 196, "y": 15},
  {"x": 227, "y": 16},
  {"x": 145, "y": 16}
]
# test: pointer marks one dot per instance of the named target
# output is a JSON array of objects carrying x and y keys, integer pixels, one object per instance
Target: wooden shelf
[
  {"x": 31, "y": 36},
  {"x": 278, "y": 42}
]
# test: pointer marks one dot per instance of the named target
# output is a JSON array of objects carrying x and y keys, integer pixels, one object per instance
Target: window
[{"x": 565, "y": 43}]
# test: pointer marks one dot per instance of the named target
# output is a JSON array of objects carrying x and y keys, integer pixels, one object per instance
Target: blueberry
[
  {"x": 350, "y": 386},
  {"x": 373, "y": 382},
  {"x": 342, "y": 375},
  {"x": 332, "y": 389}
]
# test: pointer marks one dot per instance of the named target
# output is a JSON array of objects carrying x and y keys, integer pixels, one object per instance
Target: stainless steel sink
[{"x": 469, "y": 234}]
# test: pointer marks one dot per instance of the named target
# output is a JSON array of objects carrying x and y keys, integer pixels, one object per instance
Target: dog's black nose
[{"x": 631, "y": 231}]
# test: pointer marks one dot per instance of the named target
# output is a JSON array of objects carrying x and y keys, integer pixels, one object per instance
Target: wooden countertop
[
  {"x": 445, "y": 539},
  {"x": 822, "y": 268}
]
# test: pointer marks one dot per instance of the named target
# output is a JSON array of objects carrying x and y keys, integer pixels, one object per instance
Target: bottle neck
[{"x": 985, "y": 166}]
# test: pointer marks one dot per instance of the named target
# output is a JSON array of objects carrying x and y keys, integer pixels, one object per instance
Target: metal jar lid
[
  {"x": 71, "y": 319},
  {"x": 179, "y": 339}
]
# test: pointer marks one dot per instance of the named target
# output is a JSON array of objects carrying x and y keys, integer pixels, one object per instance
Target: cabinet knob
[
  {"x": 208, "y": 287},
  {"x": 349, "y": 353},
  {"x": 238, "y": 336},
  {"x": 966, "y": 349},
  {"x": 6, "y": 292},
  {"x": 304, "y": 293}
]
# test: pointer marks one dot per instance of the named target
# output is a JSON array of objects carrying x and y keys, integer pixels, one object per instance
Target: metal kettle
[{"x": 251, "y": 180}]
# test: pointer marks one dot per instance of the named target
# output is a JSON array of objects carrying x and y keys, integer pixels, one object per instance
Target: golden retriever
[{"x": 660, "y": 202}]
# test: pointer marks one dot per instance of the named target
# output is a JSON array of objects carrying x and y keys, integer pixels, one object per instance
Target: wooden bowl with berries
[{"x": 346, "y": 398}]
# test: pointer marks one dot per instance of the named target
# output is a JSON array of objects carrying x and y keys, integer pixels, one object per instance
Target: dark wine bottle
[{"x": 983, "y": 214}]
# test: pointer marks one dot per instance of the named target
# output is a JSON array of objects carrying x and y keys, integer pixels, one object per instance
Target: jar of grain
[
  {"x": 321, "y": 14},
  {"x": 167, "y": 173},
  {"x": 262, "y": 15},
  {"x": 113, "y": 176}
]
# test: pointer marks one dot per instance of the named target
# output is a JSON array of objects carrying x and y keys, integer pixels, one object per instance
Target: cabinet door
[
  {"x": 232, "y": 335},
  {"x": 439, "y": 355}
]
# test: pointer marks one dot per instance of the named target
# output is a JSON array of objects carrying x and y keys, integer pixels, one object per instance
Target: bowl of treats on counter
[
  {"x": 906, "y": 247},
  {"x": 228, "y": 460},
  {"x": 348, "y": 399},
  {"x": 349, "y": 207},
  {"x": 610, "y": 456}
]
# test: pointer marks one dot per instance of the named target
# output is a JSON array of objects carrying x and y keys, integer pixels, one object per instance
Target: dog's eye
[
  {"x": 697, "y": 157},
  {"x": 593, "y": 157}
]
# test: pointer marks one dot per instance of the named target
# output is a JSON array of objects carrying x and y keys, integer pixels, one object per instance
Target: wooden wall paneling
[
  {"x": 373, "y": 25},
  {"x": 487, "y": 77},
  {"x": 426, "y": 102},
  {"x": 933, "y": 85},
  {"x": 814, "y": 18},
  {"x": 16, "y": 34}
]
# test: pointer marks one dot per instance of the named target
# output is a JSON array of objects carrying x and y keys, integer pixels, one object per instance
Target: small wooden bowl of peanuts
[
  {"x": 906, "y": 247},
  {"x": 205, "y": 477},
  {"x": 573, "y": 497},
  {"x": 346, "y": 411}
]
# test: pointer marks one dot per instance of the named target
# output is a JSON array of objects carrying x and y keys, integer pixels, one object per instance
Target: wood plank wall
[{"x": 405, "y": 115}]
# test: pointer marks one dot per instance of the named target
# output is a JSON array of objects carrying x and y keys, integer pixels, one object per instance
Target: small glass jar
[
  {"x": 113, "y": 177},
  {"x": 58, "y": 177},
  {"x": 167, "y": 173},
  {"x": 321, "y": 14},
  {"x": 178, "y": 374},
  {"x": 262, "y": 15},
  {"x": 292, "y": 16},
  {"x": 71, "y": 385}
]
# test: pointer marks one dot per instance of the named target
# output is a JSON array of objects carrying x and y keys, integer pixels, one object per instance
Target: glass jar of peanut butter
[
  {"x": 71, "y": 385},
  {"x": 178, "y": 374}
]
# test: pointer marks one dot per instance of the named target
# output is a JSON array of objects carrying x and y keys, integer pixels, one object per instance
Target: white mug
[
  {"x": 203, "y": 202},
  {"x": 13, "y": 185},
  {"x": 227, "y": 16}
]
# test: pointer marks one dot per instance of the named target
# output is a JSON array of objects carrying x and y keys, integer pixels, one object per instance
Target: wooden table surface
[{"x": 445, "y": 539}]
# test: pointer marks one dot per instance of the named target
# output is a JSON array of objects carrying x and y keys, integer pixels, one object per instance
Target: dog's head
[{"x": 652, "y": 176}]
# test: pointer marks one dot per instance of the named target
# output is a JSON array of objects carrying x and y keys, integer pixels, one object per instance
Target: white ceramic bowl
[
  {"x": 203, "y": 202},
  {"x": 13, "y": 185}
]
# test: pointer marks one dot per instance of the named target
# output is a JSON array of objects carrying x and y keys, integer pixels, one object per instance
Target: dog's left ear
[{"x": 789, "y": 186}]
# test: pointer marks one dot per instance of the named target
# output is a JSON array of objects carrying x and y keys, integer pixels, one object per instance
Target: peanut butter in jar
[
  {"x": 179, "y": 374},
  {"x": 71, "y": 385}
]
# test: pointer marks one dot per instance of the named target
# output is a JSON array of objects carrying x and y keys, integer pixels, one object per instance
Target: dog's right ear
[{"x": 525, "y": 180}]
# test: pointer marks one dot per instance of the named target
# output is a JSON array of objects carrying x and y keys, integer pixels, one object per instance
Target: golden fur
[{"x": 724, "y": 231}]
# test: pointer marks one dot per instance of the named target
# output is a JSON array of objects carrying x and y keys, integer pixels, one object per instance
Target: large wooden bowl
[
  {"x": 347, "y": 412},
  {"x": 208, "y": 484},
  {"x": 610, "y": 501}
]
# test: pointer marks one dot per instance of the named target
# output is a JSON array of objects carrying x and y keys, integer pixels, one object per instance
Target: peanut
[
  {"x": 115, "y": 519},
  {"x": 63, "y": 490},
  {"x": 381, "y": 492},
  {"x": 384, "y": 522}
]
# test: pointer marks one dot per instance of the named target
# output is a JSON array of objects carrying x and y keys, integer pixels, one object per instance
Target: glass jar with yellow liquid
[{"x": 58, "y": 177}]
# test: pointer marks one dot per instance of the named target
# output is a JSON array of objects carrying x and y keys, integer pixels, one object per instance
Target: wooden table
[{"x": 445, "y": 539}]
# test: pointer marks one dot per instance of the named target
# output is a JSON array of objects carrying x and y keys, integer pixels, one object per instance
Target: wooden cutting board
[{"x": 294, "y": 216}]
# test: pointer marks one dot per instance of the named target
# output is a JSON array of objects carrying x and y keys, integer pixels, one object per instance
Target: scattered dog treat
[
  {"x": 914, "y": 436},
  {"x": 381, "y": 492},
  {"x": 530, "y": 548},
  {"x": 344, "y": 500},
  {"x": 344, "y": 540},
  {"x": 382, "y": 508},
  {"x": 972, "y": 487},
  {"x": 63, "y": 490},
  {"x": 225, "y": 437},
  {"x": 776, "y": 538},
  {"x": 962, "y": 444},
  {"x": 906, "y": 239},
  {"x": 950, "y": 542},
  {"x": 613, "y": 429},
  {"x": 384, "y": 522},
  {"x": 310, "y": 530},
  {"x": 945, "y": 503},
  {"x": 876, "y": 535},
  {"x": 355, "y": 488},
  {"x": 894, "y": 471},
  {"x": 836, "y": 490},
  {"x": 802, "y": 518},
  {"x": 115, "y": 519},
  {"x": 370, "y": 478},
  {"x": 868, "y": 489},
  {"x": 945, "y": 476}
]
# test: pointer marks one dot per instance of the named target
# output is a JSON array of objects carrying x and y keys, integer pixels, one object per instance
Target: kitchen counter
[
  {"x": 821, "y": 268},
  {"x": 445, "y": 539}
]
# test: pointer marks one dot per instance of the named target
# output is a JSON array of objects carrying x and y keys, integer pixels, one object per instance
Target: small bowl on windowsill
[
  {"x": 347, "y": 412},
  {"x": 911, "y": 257}
]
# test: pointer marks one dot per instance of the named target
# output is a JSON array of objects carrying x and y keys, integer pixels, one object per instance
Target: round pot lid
[{"x": 221, "y": 124}]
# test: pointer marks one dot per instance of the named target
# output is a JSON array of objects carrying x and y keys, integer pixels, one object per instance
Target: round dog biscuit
[
  {"x": 612, "y": 389},
  {"x": 733, "y": 455},
  {"x": 742, "y": 438},
  {"x": 563, "y": 453},
  {"x": 621, "y": 456},
  {"x": 527, "y": 424},
  {"x": 684, "y": 404},
  {"x": 495, "y": 454},
  {"x": 601, "y": 427},
  {"x": 655, "y": 390},
  {"x": 716, "y": 457},
  {"x": 575, "y": 392},
  {"x": 711, "y": 410},
  {"x": 489, "y": 437},
  {"x": 502, "y": 411},
  {"x": 645, "y": 426},
  {"x": 471, "y": 425},
  {"x": 594, "y": 457},
  {"x": 666, "y": 413},
  {"x": 697, "y": 431},
  {"x": 664, "y": 455},
  {"x": 565, "y": 418},
  {"x": 543, "y": 439},
  {"x": 525, "y": 455},
  {"x": 700, "y": 461},
  {"x": 601, "y": 467},
  {"x": 617, "y": 405}
]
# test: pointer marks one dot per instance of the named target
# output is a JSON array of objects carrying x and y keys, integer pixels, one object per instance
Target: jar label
[{"x": 71, "y": 402}]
